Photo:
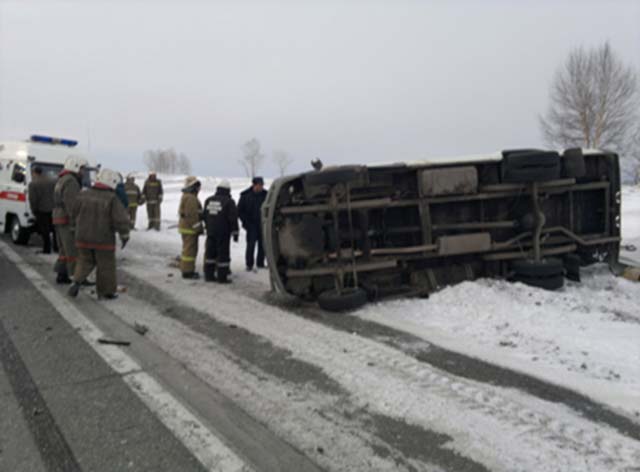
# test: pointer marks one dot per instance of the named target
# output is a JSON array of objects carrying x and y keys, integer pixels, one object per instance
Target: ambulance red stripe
[{"x": 14, "y": 196}]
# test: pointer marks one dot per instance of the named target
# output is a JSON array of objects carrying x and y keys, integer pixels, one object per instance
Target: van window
[{"x": 19, "y": 173}]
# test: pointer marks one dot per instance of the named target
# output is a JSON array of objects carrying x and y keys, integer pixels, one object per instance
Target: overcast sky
[{"x": 348, "y": 81}]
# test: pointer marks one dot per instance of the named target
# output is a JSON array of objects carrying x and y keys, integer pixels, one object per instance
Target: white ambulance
[{"x": 16, "y": 160}]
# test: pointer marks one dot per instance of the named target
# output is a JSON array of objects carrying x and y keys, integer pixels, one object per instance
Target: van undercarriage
[{"x": 531, "y": 216}]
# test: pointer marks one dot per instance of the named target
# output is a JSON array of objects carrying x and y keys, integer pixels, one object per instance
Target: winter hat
[
  {"x": 190, "y": 182},
  {"x": 257, "y": 180},
  {"x": 224, "y": 184}
]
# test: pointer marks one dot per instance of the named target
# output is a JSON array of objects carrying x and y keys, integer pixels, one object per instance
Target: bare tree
[
  {"x": 594, "y": 102},
  {"x": 282, "y": 160},
  {"x": 252, "y": 158},
  {"x": 166, "y": 161},
  {"x": 184, "y": 164}
]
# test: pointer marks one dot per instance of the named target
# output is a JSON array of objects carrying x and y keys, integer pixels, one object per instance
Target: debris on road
[
  {"x": 115, "y": 342},
  {"x": 141, "y": 329}
]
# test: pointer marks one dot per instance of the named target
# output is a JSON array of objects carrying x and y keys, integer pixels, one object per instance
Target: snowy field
[{"x": 584, "y": 336}]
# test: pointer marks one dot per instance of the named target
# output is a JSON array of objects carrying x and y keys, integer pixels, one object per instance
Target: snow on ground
[{"x": 584, "y": 336}]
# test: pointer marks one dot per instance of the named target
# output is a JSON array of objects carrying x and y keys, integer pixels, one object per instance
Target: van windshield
[{"x": 48, "y": 170}]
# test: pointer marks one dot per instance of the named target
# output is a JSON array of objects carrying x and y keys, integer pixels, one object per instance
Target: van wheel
[
  {"x": 19, "y": 235},
  {"x": 340, "y": 175},
  {"x": 534, "y": 166},
  {"x": 547, "y": 274},
  {"x": 349, "y": 299}
]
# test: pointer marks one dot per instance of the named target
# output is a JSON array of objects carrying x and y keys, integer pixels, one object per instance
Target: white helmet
[
  {"x": 74, "y": 163},
  {"x": 224, "y": 184},
  {"x": 109, "y": 178}
]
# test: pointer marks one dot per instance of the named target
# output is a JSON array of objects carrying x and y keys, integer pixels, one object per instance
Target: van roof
[{"x": 42, "y": 152}]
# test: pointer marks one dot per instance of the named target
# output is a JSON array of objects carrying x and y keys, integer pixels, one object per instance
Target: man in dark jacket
[
  {"x": 251, "y": 201},
  {"x": 97, "y": 215},
  {"x": 41, "y": 189},
  {"x": 221, "y": 219}
]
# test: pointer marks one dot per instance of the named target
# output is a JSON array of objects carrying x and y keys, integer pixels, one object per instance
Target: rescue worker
[
  {"x": 190, "y": 227},
  {"x": 65, "y": 193},
  {"x": 152, "y": 193},
  {"x": 98, "y": 214},
  {"x": 221, "y": 219},
  {"x": 41, "y": 189},
  {"x": 135, "y": 198},
  {"x": 251, "y": 201}
]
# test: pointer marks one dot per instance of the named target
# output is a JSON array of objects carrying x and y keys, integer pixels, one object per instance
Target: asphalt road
[{"x": 62, "y": 408}]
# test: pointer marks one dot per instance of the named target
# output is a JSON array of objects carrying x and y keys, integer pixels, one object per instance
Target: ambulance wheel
[
  {"x": 19, "y": 235},
  {"x": 348, "y": 299}
]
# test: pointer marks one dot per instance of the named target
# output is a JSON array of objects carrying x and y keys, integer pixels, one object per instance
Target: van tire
[
  {"x": 547, "y": 274},
  {"x": 548, "y": 267},
  {"x": 341, "y": 175},
  {"x": 349, "y": 299},
  {"x": 19, "y": 235},
  {"x": 547, "y": 283},
  {"x": 533, "y": 166},
  {"x": 573, "y": 164}
]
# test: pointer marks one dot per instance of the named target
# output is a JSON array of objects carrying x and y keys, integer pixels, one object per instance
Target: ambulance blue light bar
[{"x": 36, "y": 138}]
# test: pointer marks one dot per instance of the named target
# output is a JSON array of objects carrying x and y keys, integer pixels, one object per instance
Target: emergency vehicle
[{"x": 16, "y": 160}]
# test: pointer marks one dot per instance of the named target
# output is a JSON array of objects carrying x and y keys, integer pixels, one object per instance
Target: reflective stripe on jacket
[{"x": 190, "y": 213}]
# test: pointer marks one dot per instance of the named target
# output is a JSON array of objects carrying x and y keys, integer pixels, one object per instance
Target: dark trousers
[
  {"x": 254, "y": 237},
  {"x": 46, "y": 230},
  {"x": 216, "y": 256}
]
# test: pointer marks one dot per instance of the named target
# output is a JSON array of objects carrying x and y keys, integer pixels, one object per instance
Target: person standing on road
[
  {"x": 190, "y": 227},
  {"x": 41, "y": 189},
  {"x": 121, "y": 193},
  {"x": 97, "y": 215},
  {"x": 221, "y": 219},
  {"x": 135, "y": 199},
  {"x": 251, "y": 201},
  {"x": 65, "y": 193},
  {"x": 152, "y": 193}
]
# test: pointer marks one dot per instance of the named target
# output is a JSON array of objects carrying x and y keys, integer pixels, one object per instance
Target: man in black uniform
[
  {"x": 251, "y": 201},
  {"x": 221, "y": 219},
  {"x": 41, "y": 191}
]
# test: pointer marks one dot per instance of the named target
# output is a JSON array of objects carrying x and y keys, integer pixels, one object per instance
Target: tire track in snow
[{"x": 570, "y": 440}]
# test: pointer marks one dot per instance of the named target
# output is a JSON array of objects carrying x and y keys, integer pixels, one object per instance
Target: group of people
[
  {"x": 219, "y": 217},
  {"x": 81, "y": 225}
]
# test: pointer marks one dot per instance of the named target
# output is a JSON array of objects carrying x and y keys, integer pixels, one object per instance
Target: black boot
[
  {"x": 223, "y": 279},
  {"x": 73, "y": 290},
  {"x": 63, "y": 279},
  {"x": 210, "y": 272},
  {"x": 223, "y": 276},
  {"x": 108, "y": 296},
  {"x": 190, "y": 275}
]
